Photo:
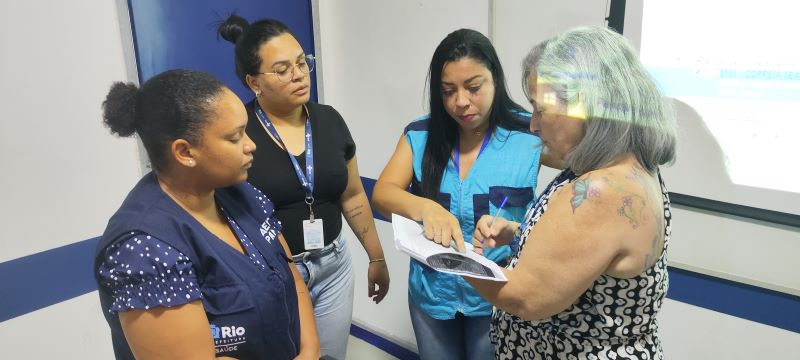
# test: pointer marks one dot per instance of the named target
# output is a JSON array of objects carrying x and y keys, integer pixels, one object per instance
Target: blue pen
[{"x": 497, "y": 214}]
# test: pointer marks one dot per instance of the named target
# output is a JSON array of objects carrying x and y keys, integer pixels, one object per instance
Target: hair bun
[
  {"x": 233, "y": 28},
  {"x": 119, "y": 108}
]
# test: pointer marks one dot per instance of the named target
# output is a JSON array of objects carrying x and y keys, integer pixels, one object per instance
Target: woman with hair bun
[
  {"x": 193, "y": 264},
  {"x": 306, "y": 163}
]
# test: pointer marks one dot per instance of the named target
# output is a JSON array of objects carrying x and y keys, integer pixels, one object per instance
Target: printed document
[{"x": 409, "y": 238}]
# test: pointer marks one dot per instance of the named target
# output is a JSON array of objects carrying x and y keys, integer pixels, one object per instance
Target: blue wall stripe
[
  {"x": 67, "y": 273},
  {"x": 381, "y": 343},
  {"x": 744, "y": 301},
  {"x": 46, "y": 278}
]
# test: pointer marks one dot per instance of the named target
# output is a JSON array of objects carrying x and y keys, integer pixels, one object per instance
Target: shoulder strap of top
[{"x": 667, "y": 205}]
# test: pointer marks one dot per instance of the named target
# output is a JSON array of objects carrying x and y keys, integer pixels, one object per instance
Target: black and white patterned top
[{"x": 614, "y": 319}]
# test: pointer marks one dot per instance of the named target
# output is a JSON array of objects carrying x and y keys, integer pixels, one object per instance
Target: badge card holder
[{"x": 313, "y": 237}]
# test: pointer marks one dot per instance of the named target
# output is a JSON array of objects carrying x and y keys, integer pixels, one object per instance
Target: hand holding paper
[
  {"x": 440, "y": 226},
  {"x": 492, "y": 231},
  {"x": 409, "y": 238}
]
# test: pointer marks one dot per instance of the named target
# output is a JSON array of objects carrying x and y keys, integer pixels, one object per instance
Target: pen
[{"x": 497, "y": 214}]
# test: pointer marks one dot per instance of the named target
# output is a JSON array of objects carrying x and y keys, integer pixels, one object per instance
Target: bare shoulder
[
  {"x": 611, "y": 218},
  {"x": 621, "y": 195}
]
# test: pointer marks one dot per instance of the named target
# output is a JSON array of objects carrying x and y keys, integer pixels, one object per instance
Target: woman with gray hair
[{"x": 588, "y": 271}]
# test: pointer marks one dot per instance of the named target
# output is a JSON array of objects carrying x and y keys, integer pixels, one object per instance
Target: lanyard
[
  {"x": 457, "y": 155},
  {"x": 306, "y": 178}
]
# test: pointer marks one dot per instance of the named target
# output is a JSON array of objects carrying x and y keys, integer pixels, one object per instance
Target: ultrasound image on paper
[{"x": 458, "y": 263}]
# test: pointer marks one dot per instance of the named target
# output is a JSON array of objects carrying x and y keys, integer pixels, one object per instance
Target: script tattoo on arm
[
  {"x": 350, "y": 214},
  {"x": 360, "y": 234}
]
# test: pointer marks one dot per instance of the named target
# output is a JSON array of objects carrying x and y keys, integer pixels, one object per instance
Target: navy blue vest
[{"x": 253, "y": 313}]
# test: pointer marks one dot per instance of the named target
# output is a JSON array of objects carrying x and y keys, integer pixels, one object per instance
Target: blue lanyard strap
[
  {"x": 306, "y": 178},
  {"x": 457, "y": 155}
]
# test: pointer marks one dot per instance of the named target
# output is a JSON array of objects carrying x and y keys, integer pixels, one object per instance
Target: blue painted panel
[{"x": 182, "y": 34}]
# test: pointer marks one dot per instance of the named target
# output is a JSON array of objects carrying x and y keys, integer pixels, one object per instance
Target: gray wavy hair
[{"x": 626, "y": 111}]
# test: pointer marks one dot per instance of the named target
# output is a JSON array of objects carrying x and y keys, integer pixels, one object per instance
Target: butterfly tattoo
[{"x": 581, "y": 192}]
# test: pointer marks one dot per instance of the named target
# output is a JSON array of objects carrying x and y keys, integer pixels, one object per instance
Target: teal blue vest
[{"x": 507, "y": 167}]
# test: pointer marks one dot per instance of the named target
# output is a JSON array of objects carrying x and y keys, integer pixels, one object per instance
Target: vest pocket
[
  {"x": 517, "y": 196},
  {"x": 517, "y": 203},
  {"x": 227, "y": 299}
]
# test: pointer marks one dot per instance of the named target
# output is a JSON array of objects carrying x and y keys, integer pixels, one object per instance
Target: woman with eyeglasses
[
  {"x": 305, "y": 162},
  {"x": 471, "y": 156}
]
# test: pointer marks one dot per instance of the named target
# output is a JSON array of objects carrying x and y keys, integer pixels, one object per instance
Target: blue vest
[
  {"x": 252, "y": 313},
  {"x": 507, "y": 167}
]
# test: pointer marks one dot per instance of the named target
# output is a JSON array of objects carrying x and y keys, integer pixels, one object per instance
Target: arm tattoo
[
  {"x": 353, "y": 212},
  {"x": 633, "y": 206},
  {"x": 582, "y": 190},
  {"x": 361, "y": 233},
  {"x": 654, "y": 246}
]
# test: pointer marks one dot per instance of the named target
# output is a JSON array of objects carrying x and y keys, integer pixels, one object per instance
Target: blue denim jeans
[
  {"x": 463, "y": 337},
  {"x": 329, "y": 276}
]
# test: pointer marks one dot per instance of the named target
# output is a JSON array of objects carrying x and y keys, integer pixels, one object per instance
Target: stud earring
[
  {"x": 258, "y": 93},
  {"x": 191, "y": 162}
]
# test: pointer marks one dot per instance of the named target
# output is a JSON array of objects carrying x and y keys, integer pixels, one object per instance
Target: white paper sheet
[{"x": 409, "y": 238}]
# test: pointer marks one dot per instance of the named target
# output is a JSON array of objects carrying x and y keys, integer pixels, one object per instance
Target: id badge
[{"x": 312, "y": 234}]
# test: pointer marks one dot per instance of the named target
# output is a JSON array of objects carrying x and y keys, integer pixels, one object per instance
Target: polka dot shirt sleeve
[{"x": 142, "y": 272}]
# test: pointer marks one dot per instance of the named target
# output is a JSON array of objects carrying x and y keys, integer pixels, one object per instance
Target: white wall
[
  {"x": 73, "y": 329},
  {"x": 692, "y": 333},
  {"x": 57, "y": 66},
  {"x": 62, "y": 174}
]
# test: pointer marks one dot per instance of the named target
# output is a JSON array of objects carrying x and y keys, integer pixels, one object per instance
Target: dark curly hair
[
  {"x": 248, "y": 38},
  {"x": 175, "y": 104}
]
